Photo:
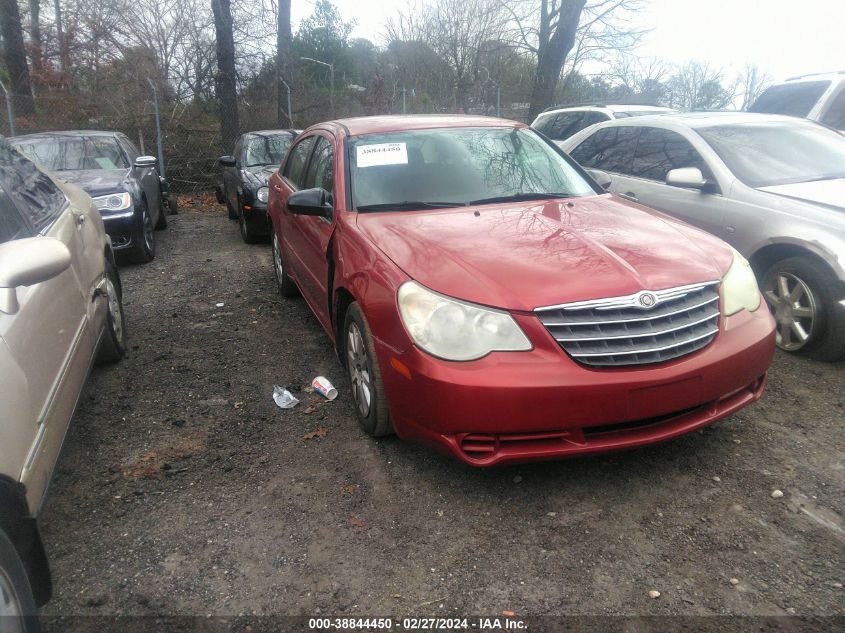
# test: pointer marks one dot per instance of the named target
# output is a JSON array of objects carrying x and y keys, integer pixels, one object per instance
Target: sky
[{"x": 783, "y": 37}]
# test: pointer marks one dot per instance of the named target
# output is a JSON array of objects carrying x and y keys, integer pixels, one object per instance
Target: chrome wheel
[
  {"x": 793, "y": 305},
  {"x": 358, "y": 363},
  {"x": 278, "y": 264},
  {"x": 115, "y": 313},
  {"x": 11, "y": 611}
]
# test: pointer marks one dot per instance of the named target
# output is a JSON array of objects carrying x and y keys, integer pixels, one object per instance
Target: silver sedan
[{"x": 771, "y": 186}]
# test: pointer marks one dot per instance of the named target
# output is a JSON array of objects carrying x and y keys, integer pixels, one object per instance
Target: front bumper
[
  {"x": 528, "y": 406},
  {"x": 122, "y": 229},
  {"x": 255, "y": 215}
]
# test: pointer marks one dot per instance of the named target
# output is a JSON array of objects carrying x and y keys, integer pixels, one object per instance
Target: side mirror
[
  {"x": 315, "y": 201},
  {"x": 26, "y": 262},
  {"x": 146, "y": 161},
  {"x": 686, "y": 177},
  {"x": 227, "y": 161},
  {"x": 601, "y": 177}
]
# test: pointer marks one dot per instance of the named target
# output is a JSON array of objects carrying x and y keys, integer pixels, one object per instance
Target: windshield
[
  {"x": 266, "y": 150},
  {"x": 768, "y": 154},
  {"x": 458, "y": 166},
  {"x": 69, "y": 153}
]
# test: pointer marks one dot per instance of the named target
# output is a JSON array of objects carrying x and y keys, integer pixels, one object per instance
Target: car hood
[
  {"x": 830, "y": 193},
  {"x": 96, "y": 182},
  {"x": 523, "y": 256},
  {"x": 262, "y": 172}
]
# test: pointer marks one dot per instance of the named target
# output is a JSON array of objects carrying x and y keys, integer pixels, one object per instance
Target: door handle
[
  {"x": 630, "y": 195},
  {"x": 277, "y": 187}
]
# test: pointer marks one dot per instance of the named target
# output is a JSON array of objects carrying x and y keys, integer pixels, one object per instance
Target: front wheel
[
  {"x": 113, "y": 344},
  {"x": 145, "y": 242},
  {"x": 364, "y": 375},
  {"x": 247, "y": 233},
  {"x": 285, "y": 284},
  {"x": 803, "y": 295},
  {"x": 18, "y": 613}
]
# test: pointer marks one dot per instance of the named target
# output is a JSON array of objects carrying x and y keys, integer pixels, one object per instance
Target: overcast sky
[{"x": 783, "y": 37}]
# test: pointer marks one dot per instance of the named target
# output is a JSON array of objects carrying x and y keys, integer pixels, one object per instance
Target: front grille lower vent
[{"x": 646, "y": 327}]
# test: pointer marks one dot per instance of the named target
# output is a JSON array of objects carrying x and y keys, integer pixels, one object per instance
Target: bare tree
[
  {"x": 14, "y": 55},
  {"x": 283, "y": 75},
  {"x": 752, "y": 82},
  {"x": 227, "y": 94},
  {"x": 696, "y": 86},
  {"x": 60, "y": 35},
  {"x": 35, "y": 33}
]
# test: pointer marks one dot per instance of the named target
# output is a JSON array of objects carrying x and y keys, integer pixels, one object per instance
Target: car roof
[
  {"x": 706, "y": 119},
  {"x": 838, "y": 75},
  {"x": 271, "y": 132},
  {"x": 612, "y": 107},
  {"x": 394, "y": 123},
  {"x": 37, "y": 135}
]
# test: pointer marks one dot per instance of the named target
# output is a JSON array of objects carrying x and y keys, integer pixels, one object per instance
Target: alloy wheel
[
  {"x": 10, "y": 606},
  {"x": 793, "y": 305},
  {"x": 359, "y": 370},
  {"x": 148, "y": 230},
  {"x": 114, "y": 310},
  {"x": 278, "y": 264}
]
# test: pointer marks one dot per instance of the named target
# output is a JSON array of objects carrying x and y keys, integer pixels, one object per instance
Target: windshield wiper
[
  {"x": 518, "y": 197},
  {"x": 408, "y": 205}
]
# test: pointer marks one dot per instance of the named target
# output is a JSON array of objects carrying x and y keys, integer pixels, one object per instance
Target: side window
[
  {"x": 566, "y": 124},
  {"x": 12, "y": 225},
  {"x": 321, "y": 169},
  {"x": 294, "y": 169},
  {"x": 30, "y": 192},
  {"x": 129, "y": 148},
  {"x": 659, "y": 151},
  {"x": 835, "y": 114},
  {"x": 610, "y": 149},
  {"x": 544, "y": 123},
  {"x": 591, "y": 118}
]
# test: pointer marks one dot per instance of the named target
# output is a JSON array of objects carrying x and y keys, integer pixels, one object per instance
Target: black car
[
  {"x": 125, "y": 187},
  {"x": 242, "y": 186}
]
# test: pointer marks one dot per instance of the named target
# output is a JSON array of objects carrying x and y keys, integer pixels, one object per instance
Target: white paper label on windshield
[{"x": 382, "y": 154}]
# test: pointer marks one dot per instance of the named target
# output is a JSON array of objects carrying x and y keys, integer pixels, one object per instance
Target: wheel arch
[
  {"x": 22, "y": 530},
  {"x": 764, "y": 257}
]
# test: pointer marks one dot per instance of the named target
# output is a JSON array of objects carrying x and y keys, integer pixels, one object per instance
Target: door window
[
  {"x": 659, "y": 151},
  {"x": 12, "y": 225},
  {"x": 129, "y": 148},
  {"x": 34, "y": 194},
  {"x": 294, "y": 170},
  {"x": 321, "y": 170},
  {"x": 835, "y": 115},
  {"x": 794, "y": 99},
  {"x": 566, "y": 124},
  {"x": 610, "y": 149}
]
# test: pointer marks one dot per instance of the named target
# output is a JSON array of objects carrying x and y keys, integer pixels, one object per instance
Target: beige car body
[{"x": 49, "y": 336}]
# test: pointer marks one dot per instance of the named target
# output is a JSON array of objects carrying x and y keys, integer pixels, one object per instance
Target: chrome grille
[{"x": 638, "y": 329}]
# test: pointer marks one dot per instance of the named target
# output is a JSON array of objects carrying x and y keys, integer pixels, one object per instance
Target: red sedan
[{"x": 489, "y": 299}]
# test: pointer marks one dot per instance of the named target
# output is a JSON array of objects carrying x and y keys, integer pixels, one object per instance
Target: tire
[
  {"x": 247, "y": 234},
  {"x": 162, "y": 215},
  {"x": 18, "y": 612},
  {"x": 233, "y": 213},
  {"x": 364, "y": 375},
  {"x": 144, "y": 249},
  {"x": 287, "y": 288},
  {"x": 808, "y": 323},
  {"x": 172, "y": 204},
  {"x": 113, "y": 343}
]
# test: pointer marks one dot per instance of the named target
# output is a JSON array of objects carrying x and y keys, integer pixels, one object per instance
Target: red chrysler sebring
[{"x": 489, "y": 299}]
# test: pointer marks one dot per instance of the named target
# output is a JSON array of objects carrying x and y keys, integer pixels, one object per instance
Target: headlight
[
  {"x": 113, "y": 202},
  {"x": 262, "y": 194},
  {"x": 739, "y": 287},
  {"x": 455, "y": 330}
]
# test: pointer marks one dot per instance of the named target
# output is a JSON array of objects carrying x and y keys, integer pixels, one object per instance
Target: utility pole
[
  {"x": 404, "y": 108},
  {"x": 158, "y": 130},
  {"x": 9, "y": 109},
  {"x": 290, "y": 110},
  {"x": 498, "y": 92},
  {"x": 331, "y": 80}
]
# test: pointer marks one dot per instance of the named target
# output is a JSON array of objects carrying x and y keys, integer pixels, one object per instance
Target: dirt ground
[{"x": 184, "y": 490}]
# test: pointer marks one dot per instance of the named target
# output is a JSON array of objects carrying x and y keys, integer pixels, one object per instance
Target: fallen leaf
[
  {"x": 350, "y": 489},
  {"x": 507, "y": 614},
  {"x": 355, "y": 521},
  {"x": 309, "y": 410},
  {"x": 238, "y": 405},
  {"x": 321, "y": 432}
]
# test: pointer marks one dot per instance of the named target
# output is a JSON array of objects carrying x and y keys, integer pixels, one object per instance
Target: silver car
[
  {"x": 771, "y": 186},
  {"x": 60, "y": 308}
]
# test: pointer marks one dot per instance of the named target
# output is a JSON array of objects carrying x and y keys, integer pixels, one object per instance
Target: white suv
[
  {"x": 819, "y": 97},
  {"x": 559, "y": 123}
]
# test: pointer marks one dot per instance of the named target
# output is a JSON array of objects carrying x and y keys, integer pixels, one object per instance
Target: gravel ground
[{"x": 183, "y": 489}]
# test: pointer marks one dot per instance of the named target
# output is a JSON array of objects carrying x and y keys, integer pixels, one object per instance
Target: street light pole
[
  {"x": 498, "y": 92},
  {"x": 290, "y": 111},
  {"x": 331, "y": 79},
  {"x": 9, "y": 109}
]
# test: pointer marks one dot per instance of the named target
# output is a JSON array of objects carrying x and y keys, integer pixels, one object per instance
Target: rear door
[{"x": 50, "y": 342}]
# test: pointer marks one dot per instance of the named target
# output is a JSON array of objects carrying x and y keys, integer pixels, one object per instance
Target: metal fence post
[
  {"x": 158, "y": 129},
  {"x": 9, "y": 109},
  {"x": 290, "y": 110}
]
